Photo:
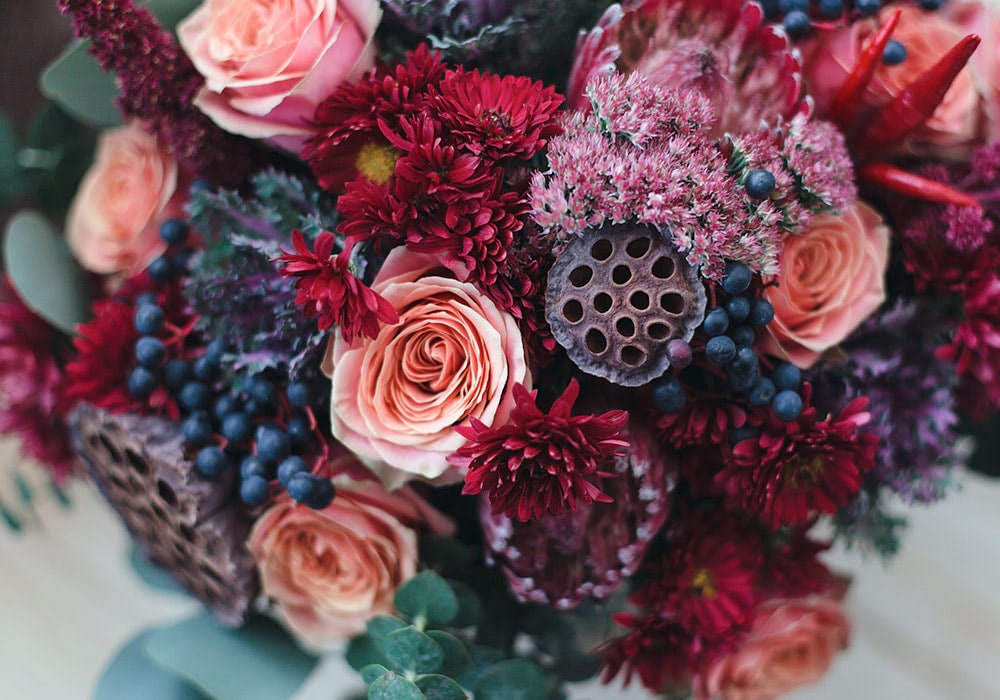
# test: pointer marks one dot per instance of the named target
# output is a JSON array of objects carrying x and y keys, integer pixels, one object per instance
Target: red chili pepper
[
  {"x": 910, "y": 185},
  {"x": 846, "y": 102},
  {"x": 913, "y": 106}
]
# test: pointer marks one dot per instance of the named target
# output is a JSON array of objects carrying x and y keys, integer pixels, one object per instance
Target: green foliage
[
  {"x": 427, "y": 596},
  {"x": 393, "y": 687},
  {"x": 133, "y": 674},
  {"x": 435, "y": 687},
  {"x": 868, "y": 525},
  {"x": 412, "y": 651},
  {"x": 513, "y": 679}
]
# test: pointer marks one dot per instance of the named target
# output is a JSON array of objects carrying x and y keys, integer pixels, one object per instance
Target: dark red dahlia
[
  {"x": 795, "y": 470},
  {"x": 31, "y": 384},
  {"x": 497, "y": 117},
  {"x": 350, "y": 142},
  {"x": 327, "y": 289},
  {"x": 658, "y": 650},
  {"x": 794, "y": 569},
  {"x": 700, "y": 422},
  {"x": 538, "y": 463}
]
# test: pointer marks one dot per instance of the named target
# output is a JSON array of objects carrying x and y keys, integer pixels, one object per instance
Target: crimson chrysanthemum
[
  {"x": 541, "y": 463},
  {"x": 658, "y": 650},
  {"x": 700, "y": 422},
  {"x": 795, "y": 470},
  {"x": 31, "y": 383},
  {"x": 327, "y": 289},
  {"x": 495, "y": 116},
  {"x": 350, "y": 142}
]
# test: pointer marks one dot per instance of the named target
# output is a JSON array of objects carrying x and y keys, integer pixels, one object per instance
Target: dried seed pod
[
  {"x": 616, "y": 296},
  {"x": 193, "y": 528}
]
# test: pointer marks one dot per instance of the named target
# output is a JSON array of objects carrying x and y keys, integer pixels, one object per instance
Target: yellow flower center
[
  {"x": 376, "y": 161},
  {"x": 703, "y": 584},
  {"x": 805, "y": 473}
]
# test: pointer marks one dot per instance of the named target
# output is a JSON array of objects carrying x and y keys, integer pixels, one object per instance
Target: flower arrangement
[{"x": 517, "y": 341}]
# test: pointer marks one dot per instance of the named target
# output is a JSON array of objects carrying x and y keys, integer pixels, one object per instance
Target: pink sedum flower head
[{"x": 725, "y": 49}]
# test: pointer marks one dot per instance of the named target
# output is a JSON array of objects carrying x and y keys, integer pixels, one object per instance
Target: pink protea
[{"x": 725, "y": 49}]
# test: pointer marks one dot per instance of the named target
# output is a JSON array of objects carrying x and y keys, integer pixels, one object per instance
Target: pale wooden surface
[{"x": 925, "y": 629}]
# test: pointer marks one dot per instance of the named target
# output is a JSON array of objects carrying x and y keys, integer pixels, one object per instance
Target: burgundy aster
[
  {"x": 495, "y": 116},
  {"x": 541, "y": 463},
  {"x": 327, "y": 289},
  {"x": 31, "y": 384},
  {"x": 795, "y": 470}
]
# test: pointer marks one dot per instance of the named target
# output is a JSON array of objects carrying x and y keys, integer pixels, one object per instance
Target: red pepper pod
[
  {"x": 846, "y": 102},
  {"x": 912, "y": 107},
  {"x": 910, "y": 185}
]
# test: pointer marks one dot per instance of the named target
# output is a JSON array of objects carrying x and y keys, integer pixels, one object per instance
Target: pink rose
[
  {"x": 954, "y": 127},
  {"x": 983, "y": 19},
  {"x": 791, "y": 643},
  {"x": 132, "y": 187},
  {"x": 331, "y": 570},
  {"x": 832, "y": 278},
  {"x": 453, "y": 355},
  {"x": 268, "y": 63}
]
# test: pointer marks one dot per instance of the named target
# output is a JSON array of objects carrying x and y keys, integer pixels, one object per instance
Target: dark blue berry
[
  {"x": 792, "y": 5},
  {"x": 147, "y": 298},
  {"x": 236, "y": 427},
  {"x": 257, "y": 409},
  {"x": 198, "y": 429},
  {"x": 737, "y": 279},
  {"x": 289, "y": 467},
  {"x": 161, "y": 269},
  {"x": 787, "y": 405},
  {"x": 142, "y": 382},
  {"x": 740, "y": 383},
  {"x": 761, "y": 312},
  {"x": 786, "y": 376},
  {"x": 181, "y": 260},
  {"x": 194, "y": 396},
  {"x": 894, "y": 54},
  {"x": 772, "y": 8},
  {"x": 211, "y": 462},
  {"x": 262, "y": 390},
  {"x": 322, "y": 495},
  {"x": 150, "y": 352},
  {"x": 298, "y": 394},
  {"x": 173, "y": 231},
  {"x": 745, "y": 361},
  {"x": 868, "y": 8},
  {"x": 744, "y": 432},
  {"x": 204, "y": 370},
  {"x": 253, "y": 490},
  {"x": 831, "y": 9},
  {"x": 175, "y": 373},
  {"x": 738, "y": 309},
  {"x": 225, "y": 405},
  {"x": 762, "y": 392},
  {"x": 760, "y": 183},
  {"x": 299, "y": 430},
  {"x": 669, "y": 395},
  {"x": 253, "y": 465},
  {"x": 201, "y": 185},
  {"x": 797, "y": 23},
  {"x": 931, "y": 4},
  {"x": 313, "y": 491},
  {"x": 149, "y": 319},
  {"x": 215, "y": 351},
  {"x": 721, "y": 349},
  {"x": 716, "y": 322},
  {"x": 273, "y": 444},
  {"x": 679, "y": 353},
  {"x": 743, "y": 336}
]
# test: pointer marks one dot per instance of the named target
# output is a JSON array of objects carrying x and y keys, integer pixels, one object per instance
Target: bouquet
[{"x": 501, "y": 343}]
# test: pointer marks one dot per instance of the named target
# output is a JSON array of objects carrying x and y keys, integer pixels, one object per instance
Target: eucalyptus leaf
[
  {"x": 427, "y": 596},
  {"x": 469, "y": 609},
  {"x": 363, "y": 651},
  {"x": 372, "y": 672},
  {"x": 132, "y": 674},
  {"x": 409, "y": 649},
  {"x": 12, "y": 180},
  {"x": 44, "y": 272},
  {"x": 77, "y": 84},
  {"x": 259, "y": 661},
  {"x": 456, "y": 660},
  {"x": 437, "y": 687},
  {"x": 514, "y": 679},
  {"x": 381, "y": 625},
  {"x": 393, "y": 687}
]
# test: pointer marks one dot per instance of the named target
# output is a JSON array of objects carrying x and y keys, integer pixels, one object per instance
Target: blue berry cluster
[
  {"x": 797, "y": 16},
  {"x": 174, "y": 233}
]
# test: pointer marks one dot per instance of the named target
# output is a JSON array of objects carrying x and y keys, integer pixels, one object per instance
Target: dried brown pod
[
  {"x": 193, "y": 528},
  {"x": 615, "y": 297}
]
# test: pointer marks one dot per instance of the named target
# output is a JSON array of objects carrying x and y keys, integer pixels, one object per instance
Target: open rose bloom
[{"x": 613, "y": 316}]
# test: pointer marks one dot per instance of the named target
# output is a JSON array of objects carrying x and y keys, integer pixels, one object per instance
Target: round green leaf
[
  {"x": 468, "y": 605},
  {"x": 44, "y": 272},
  {"x": 393, "y": 687},
  {"x": 133, "y": 674},
  {"x": 363, "y": 651},
  {"x": 429, "y": 596},
  {"x": 514, "y": 679},
  {"x": 409, "y": 649},
  {"x": 381, "y": 625},
  {"x": 437, "y": 687},
  {"x": 456, "y": 657},
  {"x": 372, "y": 672},
  {"x": 78, "y": 85}
]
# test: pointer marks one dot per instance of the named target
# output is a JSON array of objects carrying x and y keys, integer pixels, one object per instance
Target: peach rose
[
  {"x": 453, "y": 355},
  {"x": 832, "y": 278},
  {"x": 268, "y": 63},
  {"x": 791, "y": 643},
  {"x": 114, "y": 221},
  {"x": 983, "y": 19},
  {"x": 954, "y": 127},
  {"x": 331, "y": 570}
]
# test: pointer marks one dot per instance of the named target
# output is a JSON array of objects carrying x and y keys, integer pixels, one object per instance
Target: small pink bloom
[
  {"x": 832, "y": 278},
  {"x": 132, "y": 187},
  {"x": 927, "y": 36},
  {"x": 791, "y": 643},
  {"x": 268, "y": 63},
  {"x": 331, "y": 570},
  {"x": 453, "y": 356}
]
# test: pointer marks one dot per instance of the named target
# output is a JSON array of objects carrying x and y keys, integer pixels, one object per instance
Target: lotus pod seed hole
[
  {"x": 573, "y": 311},
  {"x": 638, "y": 247},
  {"x": 639, "y": 301},
  {"x": 139, "y": 464},
  {"x": 658, "y": 331},
  {"x": 602, "y": 249},
  {"x": 621, "y": 274},
  {"x": 596, "y": 342},
  {"x": 581, "y": 276},
  {"x": 602, "y": 302},
  {"x": 625, "y": 326},
  {"x": 166, "y": 493},
  {"x": 663, "y": 268},
  {"x": 672, "y": 303},
  {"x": 632, "y": 356}
]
